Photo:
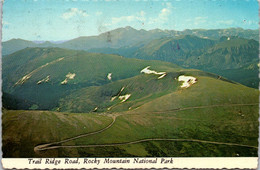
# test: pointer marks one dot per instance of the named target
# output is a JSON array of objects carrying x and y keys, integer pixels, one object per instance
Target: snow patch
[
  {"x": 187, "y": 81},
  {"x": 146, "y": 70},
  {"x": 113, "y": 98},
  {"x": 122, "y": 89},
  {"x": 60, "y": 59},
  {"x": 45, "y": 80},
  {"x": 68, "y": 76},
  {"x": 109, "y": 76},
  {"x": 28, "y": 76},
  {"x": 162, "y": 76},
  {"x": 95, "y": 109},
  {"x": 24, "y": 79},
  {"x": 124, "y": 97},
  {"x": 64, "y": 81}
]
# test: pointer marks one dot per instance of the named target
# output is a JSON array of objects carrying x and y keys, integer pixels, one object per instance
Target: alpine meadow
[{"x": 80, "y": 79}]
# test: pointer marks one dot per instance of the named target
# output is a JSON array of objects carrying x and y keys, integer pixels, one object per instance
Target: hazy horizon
[
  {"x": 61, "y": 41},
  {"x": 61, "y": 20}
]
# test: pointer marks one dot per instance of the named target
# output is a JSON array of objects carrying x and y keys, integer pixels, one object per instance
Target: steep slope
[
  {"x": 215, "y": 56},
  {"x": 229, "y": 54},
  {"x": 173, "y": 49}
]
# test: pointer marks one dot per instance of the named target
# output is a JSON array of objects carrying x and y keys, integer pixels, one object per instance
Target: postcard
[{"x": 130, "y": 84}]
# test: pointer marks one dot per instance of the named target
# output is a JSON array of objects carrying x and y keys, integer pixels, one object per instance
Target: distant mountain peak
[
  {"x": 156, "y": 30},
  {"x": 129, "y": 28}
]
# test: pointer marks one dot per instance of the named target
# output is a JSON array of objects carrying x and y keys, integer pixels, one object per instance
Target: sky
[{"x": 57, "y": 20}]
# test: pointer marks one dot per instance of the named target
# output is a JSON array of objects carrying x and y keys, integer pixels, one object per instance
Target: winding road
[
  {"x": 146, "y": 140},
  {"x": 54, "y": 145},
  {"x": 48, "y": 145}
]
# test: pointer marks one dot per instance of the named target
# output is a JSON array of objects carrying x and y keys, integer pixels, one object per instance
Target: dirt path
[{"x": 114, "y": 116}]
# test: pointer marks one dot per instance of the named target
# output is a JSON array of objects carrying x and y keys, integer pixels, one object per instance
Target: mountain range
[{"x": 125, "y": 37}]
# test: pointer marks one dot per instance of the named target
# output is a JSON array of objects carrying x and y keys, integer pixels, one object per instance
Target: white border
[
  {"x": 218, "y": 163},
  {"x": 213, "y": 162}
]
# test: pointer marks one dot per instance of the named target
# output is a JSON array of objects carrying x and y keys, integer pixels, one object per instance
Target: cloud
[
  {"x": 98, "y": 13},
  {"x": 5, "y": 23},
  {"x": 226, "y": 22},
  {"x": 116, "y": 20},
  {"x": 163, "y": 16},
  {"x": 200, "y": 20},
  {"x": 140, "y": 16},
  {"x": 250, "y": 22},
  {"x": 72, "y": 12}
]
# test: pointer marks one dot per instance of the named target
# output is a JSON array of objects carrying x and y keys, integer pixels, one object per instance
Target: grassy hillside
[
  {"x": 198, "y": 119},
  {"x": 22, "y": 130},
  {"x": 210, "y": 110},
  {"x": 247, "y": 75},
  {"x": 207, "y": 91},
  {"x": 142, "y": 88},
  {"x": 23, "y": 70},
  {"x": 217, "y": 124}
]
